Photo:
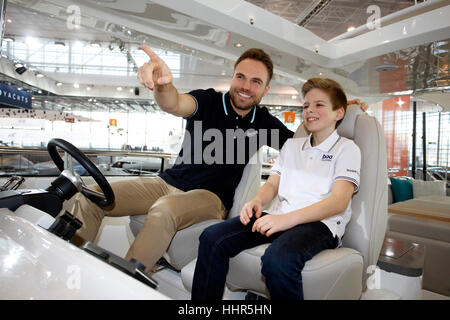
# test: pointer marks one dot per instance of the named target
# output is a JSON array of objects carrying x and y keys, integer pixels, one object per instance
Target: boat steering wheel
[{"x": 101, "y": 199}]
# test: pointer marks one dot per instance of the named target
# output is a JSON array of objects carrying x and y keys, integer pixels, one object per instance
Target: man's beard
[{"x": 254, "y": 102}]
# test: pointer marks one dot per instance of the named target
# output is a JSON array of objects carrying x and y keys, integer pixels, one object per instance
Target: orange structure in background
[
  {"x": 289, "y": 117},
  {"x": 113, "y": 122},
  {"x": 396, "y": 137}
]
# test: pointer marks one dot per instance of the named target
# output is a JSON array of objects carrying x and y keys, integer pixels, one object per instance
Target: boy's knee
[
  {"x": 277, "y": 260},
  {"x": 270, "y": 261},
  {"x": 208, "y": 236}
]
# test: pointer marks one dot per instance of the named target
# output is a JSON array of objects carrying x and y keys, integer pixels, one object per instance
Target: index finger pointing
[{"x": 149, "y": 52}]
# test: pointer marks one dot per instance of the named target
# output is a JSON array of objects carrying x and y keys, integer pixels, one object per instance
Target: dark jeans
[{"x": 282, "y": 262}]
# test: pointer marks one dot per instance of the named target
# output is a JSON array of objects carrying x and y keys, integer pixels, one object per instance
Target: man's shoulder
[
  {"x": 211, "y": 92},
  {"x": 264, "y": 111},
  {"x": 207, "y": 101}
]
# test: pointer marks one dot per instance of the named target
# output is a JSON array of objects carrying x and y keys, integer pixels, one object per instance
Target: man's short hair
[
  {"x": 332, "y": 89},
  {"x": 259, "y": 55}
]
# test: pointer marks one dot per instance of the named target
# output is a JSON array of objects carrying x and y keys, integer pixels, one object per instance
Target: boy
[{"x": 314, "y": 179}]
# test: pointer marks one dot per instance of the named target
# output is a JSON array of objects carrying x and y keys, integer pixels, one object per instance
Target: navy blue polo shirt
[{"x": 218, "y": 143}]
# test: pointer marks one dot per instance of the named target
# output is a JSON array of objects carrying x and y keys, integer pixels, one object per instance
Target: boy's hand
[
  {"x": 270, "y": 224},
  {"x": 252, "y": 207},
  {"x": 362, "y": 105}
]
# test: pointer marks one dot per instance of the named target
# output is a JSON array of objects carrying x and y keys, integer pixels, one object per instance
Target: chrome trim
[{"x": 75, "y": 179}]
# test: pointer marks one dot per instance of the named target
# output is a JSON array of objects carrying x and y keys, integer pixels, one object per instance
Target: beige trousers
[{"x": 168, "y": 210}]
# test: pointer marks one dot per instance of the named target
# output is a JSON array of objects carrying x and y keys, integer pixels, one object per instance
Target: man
[{"x": 201, "y": 185}]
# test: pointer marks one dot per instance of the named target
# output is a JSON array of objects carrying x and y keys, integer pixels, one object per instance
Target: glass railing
[{"x": 37, "y": 162}]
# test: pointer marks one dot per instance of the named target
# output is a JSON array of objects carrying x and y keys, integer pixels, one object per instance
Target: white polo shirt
[{"x": 307, "y": 175}]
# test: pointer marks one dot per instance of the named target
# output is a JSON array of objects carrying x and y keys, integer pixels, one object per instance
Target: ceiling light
[
  {"x": 351, "y": 28},
  {"x": 78, "y": 44},
  {"x": 39, "y": 75},
  {"x": 294, "y": 97},
  {"x": 401, "y": 93},
  {"x": 400, "y": 102},
  {"x": 32, "y": 41},
  {"x": 59, "y": 84},
  {"x": 88, "y": 88},
  {"x": 60, "y": 44},
  {"x": 21, "y": 69},
  {"x": 8, "y": 39},
  {"x": 238, "y": 45},
  {"x": 8, "y": 20},
  {"x": 119, "y": 88},
  {"x": 386, "y": 67},
  {"x": 95, "y": 44},
  {"x": 76, "y": 85}
]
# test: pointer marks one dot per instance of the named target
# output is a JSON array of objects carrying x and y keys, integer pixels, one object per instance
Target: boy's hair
[
  {"x": 332, "y": 89},
  {"x": 259, "y": 55}
]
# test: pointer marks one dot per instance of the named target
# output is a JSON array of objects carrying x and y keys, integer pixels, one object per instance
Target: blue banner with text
[{"x": 12, "y": 97}]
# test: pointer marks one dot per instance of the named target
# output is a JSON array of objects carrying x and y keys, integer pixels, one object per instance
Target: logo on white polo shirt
[{"x": 327, "y": 157}]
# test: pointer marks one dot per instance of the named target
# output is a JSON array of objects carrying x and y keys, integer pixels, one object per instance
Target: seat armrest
[
  {"x": 137, "y": 222},
  {"x": 333, "y": 274},
  {"x": 245, "y": 271},
  {"x": 187, "y": 275},
  {"x": 184, "y": 245}
]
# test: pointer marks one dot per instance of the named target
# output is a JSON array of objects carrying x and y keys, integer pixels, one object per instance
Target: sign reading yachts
[{"x": 12, "y": 97}]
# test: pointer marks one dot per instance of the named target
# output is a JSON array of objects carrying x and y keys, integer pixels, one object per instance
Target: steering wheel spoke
[
  {"x": 94, "y": 193},
  {"x": 71, "y": 154},
  {"x": 68, "y": 162}
]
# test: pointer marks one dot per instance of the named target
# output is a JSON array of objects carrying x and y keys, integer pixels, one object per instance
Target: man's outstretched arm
[{"x": 156, "y": 76}]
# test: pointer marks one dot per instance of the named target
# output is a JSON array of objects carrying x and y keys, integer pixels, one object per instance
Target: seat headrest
[{"x": 346, "y": 128}]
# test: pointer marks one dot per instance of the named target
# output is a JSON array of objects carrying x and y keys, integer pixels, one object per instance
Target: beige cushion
[{"x": 427, "y": 188}]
